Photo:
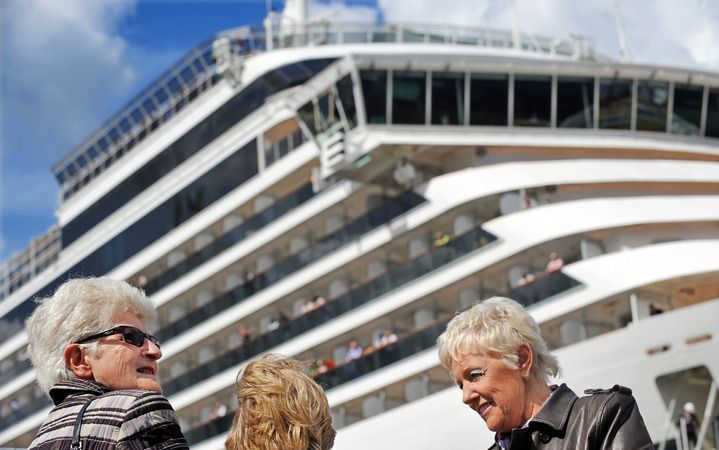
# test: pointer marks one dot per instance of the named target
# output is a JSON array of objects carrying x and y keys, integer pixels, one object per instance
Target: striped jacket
[{"x": 130, "y": 419}]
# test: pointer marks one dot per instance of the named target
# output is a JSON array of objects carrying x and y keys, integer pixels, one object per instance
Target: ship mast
[{"x": 292, "y": 20}]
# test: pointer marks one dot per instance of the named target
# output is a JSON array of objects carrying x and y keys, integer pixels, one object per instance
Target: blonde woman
[
  {"x": 496, "y": 355},
  {"x": 280, "y": 408}
]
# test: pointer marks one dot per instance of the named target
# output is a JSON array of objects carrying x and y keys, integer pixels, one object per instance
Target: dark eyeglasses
[{"x": 131, "y": 335}]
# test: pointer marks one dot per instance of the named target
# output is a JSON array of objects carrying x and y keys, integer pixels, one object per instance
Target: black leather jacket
[{"x": 606, "y": 419}]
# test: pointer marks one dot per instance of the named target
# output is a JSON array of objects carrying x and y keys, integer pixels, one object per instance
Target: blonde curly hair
[{"x": 280, "y": 408}]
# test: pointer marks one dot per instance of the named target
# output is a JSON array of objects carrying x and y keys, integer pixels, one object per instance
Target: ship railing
[
  {"x": 223, "y": 55},
  {"x": 408, "y": 345},
  {"x": 374, "y": 218},
  {"x": 161, "y": 100},
  {"x": 253, "y": 224},
  {"x": 16, "y": 369},
  {"x": 356, "y": 297},
  {"x": 24, "y": 411},
  {"x": 256, "y": 39}
]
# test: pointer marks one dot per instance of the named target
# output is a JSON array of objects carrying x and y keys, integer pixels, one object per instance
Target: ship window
[
  {"x": 448, "y": 98},
  {"x": 687, "y": 111},
  {"x": 488, "y": 99},
  {"x": 307, "y": 115},
  {"x": 575, "y": 102},
  {"x": 713, "y": 114},
  {"x": 532, "y": 101},
  {"x": 409, "y": 97},
  {"x": 327, "y": 110},
  {"x": 374, "y": 90},
  {"x": 652, "y": 102},
  {"x": 615, "y": 104},
  {"x": 346, "y": 96}
]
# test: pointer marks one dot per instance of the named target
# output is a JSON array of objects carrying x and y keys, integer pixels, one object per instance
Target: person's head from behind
[
  {"x": 280, "y": 408},
  {"x": 496, "y": 355},
  {"x": 95, "y": 329}
]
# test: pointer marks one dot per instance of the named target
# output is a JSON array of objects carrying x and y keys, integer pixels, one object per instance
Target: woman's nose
[
  {"x": 468, "y": 394},
  {"x": 153, "y": 350}
]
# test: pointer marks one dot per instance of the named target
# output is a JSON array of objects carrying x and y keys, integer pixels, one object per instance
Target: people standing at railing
[
  {"x": 440, "y": 238},
  {"x": 495, "y": 353},
  {"x": 280, "y": 407},
  {"x": 95, "y": 359},
  {"x": 555, "y": 263},
  {"x": 688, "y": 423},
  {"x": 527, "y": 277},
  {"x": 354, "y": 351}
]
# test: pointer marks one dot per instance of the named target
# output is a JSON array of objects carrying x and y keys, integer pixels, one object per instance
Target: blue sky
[{"x": 66, "y": 66}]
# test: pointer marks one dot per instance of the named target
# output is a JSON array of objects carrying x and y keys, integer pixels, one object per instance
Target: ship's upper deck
[{"x": 200, "y": 68}]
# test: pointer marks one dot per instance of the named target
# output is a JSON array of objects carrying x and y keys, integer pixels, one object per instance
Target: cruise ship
[{"x": 305, "y": 186}]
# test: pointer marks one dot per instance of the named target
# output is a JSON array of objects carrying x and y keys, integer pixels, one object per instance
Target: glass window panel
[
  {"x": 409, "y": 97},
  {"x": 687, "y": 112},
  {"x": 384, "y": 36},
  {"x": 346, "y": 96},
  {"x": 448, "y": 98},
  {"x": 652, "y": 102},
  {"x": 532, "y": 101},
  {"x": 575, "y": 102},
  {"x": 412, "y": 36},
  {"x": 374, "y": 90},
  {"x": 712, "y": 129},
  {"x": 615, "y": 104},
  {"x": 351, "y": 37},
  {"x": 488, "y": 99},
  {"x": 327, "y": 110},
  {"x": 307, "y": 115}
]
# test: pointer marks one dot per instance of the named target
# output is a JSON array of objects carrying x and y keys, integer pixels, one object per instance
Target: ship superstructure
[{"x": 304, "y": 185}]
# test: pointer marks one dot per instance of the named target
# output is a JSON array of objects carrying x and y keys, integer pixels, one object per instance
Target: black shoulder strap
[{"x": 76, "y": 445}]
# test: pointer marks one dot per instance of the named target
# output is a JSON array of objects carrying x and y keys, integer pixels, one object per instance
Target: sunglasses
[{"x": 131, "y": 335}]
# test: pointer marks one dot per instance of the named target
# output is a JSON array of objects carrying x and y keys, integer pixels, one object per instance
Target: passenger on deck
[{"x": 555, "y": 262}]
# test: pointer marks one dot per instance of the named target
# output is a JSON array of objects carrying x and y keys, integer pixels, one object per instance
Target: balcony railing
[
  {"x": 255, "y": 223},
  {"x": 21, "y": 413},
  {"x": 17, "y": 368},
  {"x": 358, "y": 296},
  {"x": 408, "y": 345},
  {"x": 379, "y": 216}
]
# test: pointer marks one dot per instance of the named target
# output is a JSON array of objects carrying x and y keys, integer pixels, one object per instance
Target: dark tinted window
[
  {"x": 532, "y": 101},
  {"x": 448, "y": 98},
  {"x": 687, "y": 110},
  {"x": 652, "y": 101},
  {"x": 488, "y": 99},
  {"x": 346, "y": 95},
  {"x": 615, "y": 104},
  {"x": 713, "y": 114},
  {"x": 236, "y": 109},
  {"x": 374, "y": 91},
  {"x": 218, "y": 181},
  {"x": 409, "y": 97},
  {"x": 575, "y": 102}
]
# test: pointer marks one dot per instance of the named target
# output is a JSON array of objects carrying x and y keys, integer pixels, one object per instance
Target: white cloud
[
  {"x": 665, "y": 32},
  {"x": 64, "y": 66},
  {"x": 337, "y": 11},
  {"x": 59, "y": 61}
]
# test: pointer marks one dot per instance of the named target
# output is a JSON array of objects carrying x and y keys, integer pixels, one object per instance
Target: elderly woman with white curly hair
[
  {"x": 95, "y": 359},
  {"x": 498, "y": 358}
]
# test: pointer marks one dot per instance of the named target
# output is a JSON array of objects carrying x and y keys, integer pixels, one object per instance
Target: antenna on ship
[
  {"x": 515, "y": 29},
  {"x": 619, "y": 22}
]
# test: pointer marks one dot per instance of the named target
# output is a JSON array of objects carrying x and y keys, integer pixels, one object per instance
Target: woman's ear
[
  {"x": 525, "y": 359},
  {"x": 76, "y": 361}
]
